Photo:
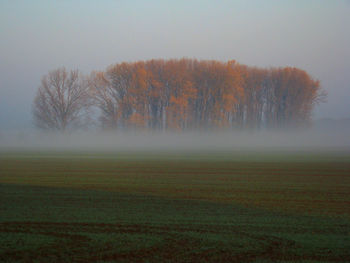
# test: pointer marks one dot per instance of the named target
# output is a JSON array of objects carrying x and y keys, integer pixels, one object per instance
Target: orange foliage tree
[{"x": 188, "y": 94}]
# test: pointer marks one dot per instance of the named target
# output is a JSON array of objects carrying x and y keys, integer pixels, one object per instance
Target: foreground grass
[
  {"x": 174, "y": 208},
  {"x": 304, "y": 183}
]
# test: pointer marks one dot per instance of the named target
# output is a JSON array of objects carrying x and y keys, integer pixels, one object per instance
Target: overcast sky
[{"x": 40, "y": 35}]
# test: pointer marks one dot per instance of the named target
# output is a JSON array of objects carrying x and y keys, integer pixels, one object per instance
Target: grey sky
[{"x": 39, "y": 35}]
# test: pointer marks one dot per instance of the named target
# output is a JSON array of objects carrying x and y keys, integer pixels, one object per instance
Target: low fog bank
[{"x": 312, "y": 139}]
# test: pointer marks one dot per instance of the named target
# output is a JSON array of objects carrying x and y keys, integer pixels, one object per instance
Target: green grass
[{"x": 174, "y": 207}]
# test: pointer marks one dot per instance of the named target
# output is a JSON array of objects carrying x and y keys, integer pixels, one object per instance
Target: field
[{"x": 175, "y": 207}]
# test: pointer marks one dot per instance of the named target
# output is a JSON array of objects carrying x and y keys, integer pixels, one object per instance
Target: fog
[{"x": 320, "y": 138}]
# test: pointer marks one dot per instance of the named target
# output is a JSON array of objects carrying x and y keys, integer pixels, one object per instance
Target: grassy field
[{"x": 174, "y": 207}]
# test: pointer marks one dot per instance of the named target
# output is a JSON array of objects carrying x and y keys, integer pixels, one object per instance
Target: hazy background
[{"x": 39, "y": 35}]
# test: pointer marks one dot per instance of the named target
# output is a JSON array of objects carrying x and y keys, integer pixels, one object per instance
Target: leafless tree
[{"x": 61, "y": 101}]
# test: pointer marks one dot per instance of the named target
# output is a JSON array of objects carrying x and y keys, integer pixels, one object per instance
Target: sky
[{"x": 38, "y": 36}]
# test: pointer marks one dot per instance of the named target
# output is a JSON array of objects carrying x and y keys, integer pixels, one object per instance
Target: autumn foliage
[
  {"x": 184, "y": 94},
  {"x": 188, "y": 94}
]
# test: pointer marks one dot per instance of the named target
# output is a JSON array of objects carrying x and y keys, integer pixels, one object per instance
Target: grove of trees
[{"x": 184, "y": 94}]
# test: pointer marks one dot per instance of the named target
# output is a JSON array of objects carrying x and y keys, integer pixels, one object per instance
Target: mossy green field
[{"x": 175, "y": 207}]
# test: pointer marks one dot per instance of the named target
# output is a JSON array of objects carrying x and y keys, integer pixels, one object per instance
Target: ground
[{"x": 175, "y": 207}]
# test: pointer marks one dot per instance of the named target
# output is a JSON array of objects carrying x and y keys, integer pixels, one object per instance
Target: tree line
[{"x": 177, "y": 94}]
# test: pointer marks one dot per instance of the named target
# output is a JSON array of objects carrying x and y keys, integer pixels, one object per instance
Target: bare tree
[{"x": 61, "y": 101}]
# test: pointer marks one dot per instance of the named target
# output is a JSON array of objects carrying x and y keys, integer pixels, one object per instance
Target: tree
[
  {"x": 61, "y": 101},
  {"x": 292, "y": 96}
]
